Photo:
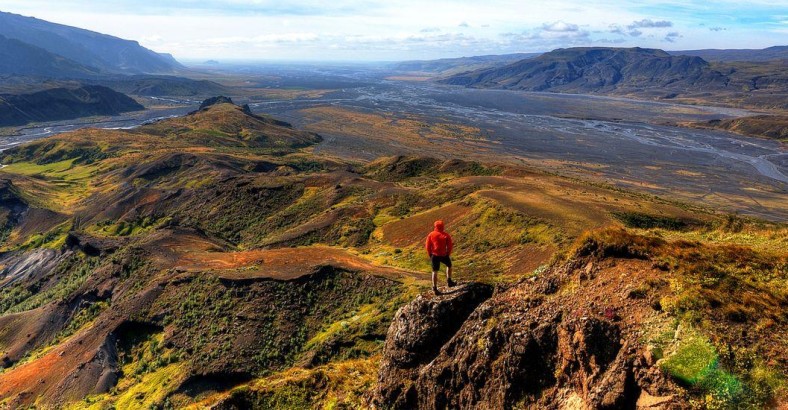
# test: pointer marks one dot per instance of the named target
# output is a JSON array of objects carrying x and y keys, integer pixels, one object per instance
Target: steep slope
[
  {"x": 18, "y": 58},
  {"x": 91, "y": 49},
  {"x": 62, "y": 104},
  {"x": 611, "y": 328}
]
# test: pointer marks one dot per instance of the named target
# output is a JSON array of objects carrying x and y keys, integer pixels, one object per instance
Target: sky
[{"x": 374, "y": 30}]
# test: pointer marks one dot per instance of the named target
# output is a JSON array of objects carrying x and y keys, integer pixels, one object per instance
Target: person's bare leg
[
  {"x": 435, "y": 281},
  {"x": 449, "y": 281}
]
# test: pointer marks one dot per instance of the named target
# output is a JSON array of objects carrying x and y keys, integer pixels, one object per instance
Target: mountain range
[
  {"x": 637, "y": 72},
  {"x": 56, "y": 50},
  {"x": 593, "y": 69}
]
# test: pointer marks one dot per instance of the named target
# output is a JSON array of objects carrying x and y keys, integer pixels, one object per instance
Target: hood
[{"x": 439, "y": 226}]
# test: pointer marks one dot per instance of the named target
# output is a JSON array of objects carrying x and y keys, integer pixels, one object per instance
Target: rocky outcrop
[
  {"x": 416, "y": 335},
  {"x": 523, "y": 347},
  {"x": 220, "y": 99}
]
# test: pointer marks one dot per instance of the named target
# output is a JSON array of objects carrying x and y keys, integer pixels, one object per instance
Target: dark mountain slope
[
  {"x": 640, "y": 73},
  {"x": 725, "y": 55},
  {"x": 85, "y": 47},
  {"x": 19, "y": 58},
  {"x": 62, "y": 104},
  {"x": 594, "y": 70}
]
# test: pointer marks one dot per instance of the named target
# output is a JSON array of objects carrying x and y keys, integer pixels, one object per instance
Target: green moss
[
  {"x": 693, "y": 362},
  {"x": 55, "y": 238},
  {"x": 134, "y": 227},
  {"x": 152, "y": 388}
]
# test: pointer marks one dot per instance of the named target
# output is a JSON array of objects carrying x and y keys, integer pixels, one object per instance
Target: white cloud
[
  {"x": 649, "y": 23},
  {"x": 672, "y": 37},
  {"x": 560, "y": 27},
  {"x": 404, "y": 29}
]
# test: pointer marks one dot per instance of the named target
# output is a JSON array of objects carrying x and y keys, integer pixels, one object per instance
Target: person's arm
[
  {"x": 427, "y": 245},
  {"x": 449, "y": 244}
]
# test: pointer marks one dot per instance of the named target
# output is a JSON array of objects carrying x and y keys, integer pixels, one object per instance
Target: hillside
[
  {"x": 593, "y": 70},
  {"x": 63, "y": 104},
  {"x": 628, "y": 321},
  {"x": 637, "y": 72},
  {"x": 763, "y": 126},
  {"x": 90, "y": 49},
  {"x": 215, "y": 261},
  {"x": 18, "y": 58},
  {"x": 723, "y": 55}
]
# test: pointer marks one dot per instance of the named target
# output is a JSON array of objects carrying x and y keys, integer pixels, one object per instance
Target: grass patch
[
  {"x": 646, "y": 221},
  {"x": 342, "y": 385}
]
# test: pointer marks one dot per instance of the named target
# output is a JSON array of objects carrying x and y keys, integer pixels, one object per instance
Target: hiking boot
[
  {"x": 451, "y": 283},
  {"x": 435, "y": 289}
]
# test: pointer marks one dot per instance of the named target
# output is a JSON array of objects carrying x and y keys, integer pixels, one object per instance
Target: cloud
[
  {"x": 548, "y": 36},
  {"x": 408, "y": 29},
  {"x": 649, "y": 23},
  {"x": 560, "y": 27},
  {"x": 610, "y": 41},
  {"x": 616, "y": 29},
  {"x": 672, "y": 36}
]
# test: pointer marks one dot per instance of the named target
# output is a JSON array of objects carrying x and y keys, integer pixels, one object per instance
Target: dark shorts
[{"x": 437, "y": 260}]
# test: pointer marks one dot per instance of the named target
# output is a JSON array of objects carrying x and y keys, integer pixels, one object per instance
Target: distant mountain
[
  {"x": 766, "y": 54},
  {"x": 640, "y": 73},
  {"x": 448, "y": 66},
  {"x": 18, "y": 58},
  {"x": 63, "y": 104},
  {"x": 99, "y": 51},
  {"x": 594, "y": 70}
]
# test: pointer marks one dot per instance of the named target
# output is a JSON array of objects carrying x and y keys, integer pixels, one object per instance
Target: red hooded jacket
[{"x": 439, "y": 242}]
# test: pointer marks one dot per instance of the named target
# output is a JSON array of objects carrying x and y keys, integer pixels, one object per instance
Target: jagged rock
[
  {"x": 511, "y": 353},
  {"x": 91, "y": 245},
  {"x": 418, "y": 331},
  {"x": 216, "y": 100}
]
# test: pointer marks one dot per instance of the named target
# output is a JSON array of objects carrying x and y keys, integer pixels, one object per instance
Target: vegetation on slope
[{"x": 212, "y": 260}]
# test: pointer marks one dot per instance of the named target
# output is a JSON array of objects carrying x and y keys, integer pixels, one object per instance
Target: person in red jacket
[{"x": 439, "y": 246}]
